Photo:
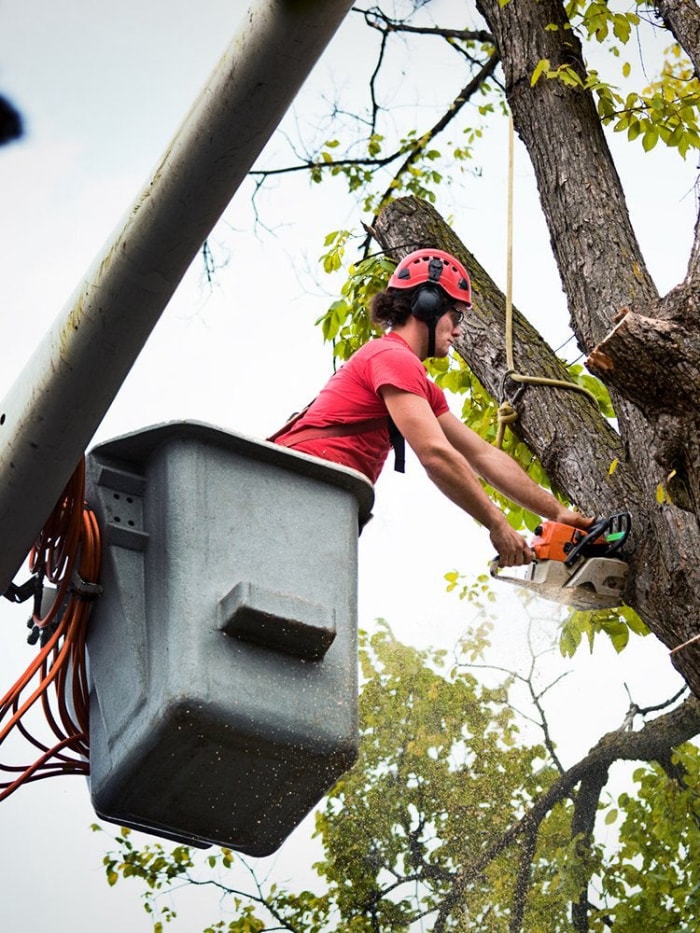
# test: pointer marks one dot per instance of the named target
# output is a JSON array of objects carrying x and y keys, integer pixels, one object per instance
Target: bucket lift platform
[{"x": 223, "y": 652}]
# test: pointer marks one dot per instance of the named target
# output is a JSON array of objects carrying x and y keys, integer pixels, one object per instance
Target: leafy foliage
[
  {"x": 666, "y": 109},
  {"x": 652, "y": 881},
  {"x": 347, "y": 324},
  {"x": 617, "y": 624}
]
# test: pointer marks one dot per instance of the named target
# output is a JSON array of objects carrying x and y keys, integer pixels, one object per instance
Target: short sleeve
[{"x": 397, "y": 367}]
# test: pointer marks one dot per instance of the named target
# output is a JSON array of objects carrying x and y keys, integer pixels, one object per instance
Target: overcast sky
[{"x": 102, "y": 91}]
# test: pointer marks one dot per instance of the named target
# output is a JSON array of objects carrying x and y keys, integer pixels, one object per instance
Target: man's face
[{"x": 448, "y": 329}]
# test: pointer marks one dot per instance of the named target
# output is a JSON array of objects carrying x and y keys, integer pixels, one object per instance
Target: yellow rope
[
  {"x": 506, "y": 415},
  {"x": 506, "y": 412}
]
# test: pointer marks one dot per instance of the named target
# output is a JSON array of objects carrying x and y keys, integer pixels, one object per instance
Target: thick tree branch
[
  {"x": 522, "y": 881},
  {"x": 582, "y": 826},
  {"x": 653, "y": 361}
]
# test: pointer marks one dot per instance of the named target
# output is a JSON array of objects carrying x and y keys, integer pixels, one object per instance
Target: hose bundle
[{"x": 67, "y": 555}]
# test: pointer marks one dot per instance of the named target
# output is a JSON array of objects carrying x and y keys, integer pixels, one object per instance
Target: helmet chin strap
[
  {"x": 428, "y": 305},
  {"x": 431, "y": 325}
]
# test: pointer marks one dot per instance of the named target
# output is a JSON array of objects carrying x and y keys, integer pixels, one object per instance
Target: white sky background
[{"x": 102, "y": 91}]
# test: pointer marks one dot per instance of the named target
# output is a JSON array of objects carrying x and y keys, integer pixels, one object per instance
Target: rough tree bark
[{"x": 637, "y": 342}]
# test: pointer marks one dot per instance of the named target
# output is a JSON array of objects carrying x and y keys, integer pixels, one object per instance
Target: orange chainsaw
[{"x": 576, "y": 567}]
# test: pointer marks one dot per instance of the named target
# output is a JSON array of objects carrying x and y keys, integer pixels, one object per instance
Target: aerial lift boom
[{"x": 50, "y": 415}]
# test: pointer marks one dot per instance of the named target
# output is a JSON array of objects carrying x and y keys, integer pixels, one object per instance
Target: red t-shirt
[{"x": 352, "y": 394}]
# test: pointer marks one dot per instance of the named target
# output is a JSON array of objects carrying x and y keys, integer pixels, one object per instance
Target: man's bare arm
[
  {"x": 448, "y": 468},
  {"x": 505, "y": 475}
]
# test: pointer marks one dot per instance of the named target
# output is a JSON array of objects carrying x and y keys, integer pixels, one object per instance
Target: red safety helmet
[{"x": 433, "y": 266}]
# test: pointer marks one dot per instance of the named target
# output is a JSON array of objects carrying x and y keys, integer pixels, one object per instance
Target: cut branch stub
[{"x": 653, "y": 362}]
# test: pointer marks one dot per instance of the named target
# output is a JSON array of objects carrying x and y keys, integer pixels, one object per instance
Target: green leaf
[
  {"x": 650, "y": 139},
  {"x": 542, "y": 67}
]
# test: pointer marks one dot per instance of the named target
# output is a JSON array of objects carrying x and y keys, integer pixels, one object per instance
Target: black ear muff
[{"x": 426, "y": 302}]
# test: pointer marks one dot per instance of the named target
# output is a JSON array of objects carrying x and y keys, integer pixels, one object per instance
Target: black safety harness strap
[{"x": 399, "y": 444}]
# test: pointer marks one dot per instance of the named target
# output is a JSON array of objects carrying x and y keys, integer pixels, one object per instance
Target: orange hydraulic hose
[{"x": 70, "y": 539}]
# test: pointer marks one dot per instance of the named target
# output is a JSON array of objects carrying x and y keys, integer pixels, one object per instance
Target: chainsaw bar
[{"x": 597, "y": 583}]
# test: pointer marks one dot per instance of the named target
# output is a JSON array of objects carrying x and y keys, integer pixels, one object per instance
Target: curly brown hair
[{"x": 390, "y": 307}]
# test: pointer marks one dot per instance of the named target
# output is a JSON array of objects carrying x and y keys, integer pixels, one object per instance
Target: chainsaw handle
[
  {"x": 593, "y": 532},
  {"x": 619, "y": 523}
]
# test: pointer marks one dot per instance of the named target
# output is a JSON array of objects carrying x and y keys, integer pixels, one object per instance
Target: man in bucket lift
[{"x": 382, "y": 395}]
